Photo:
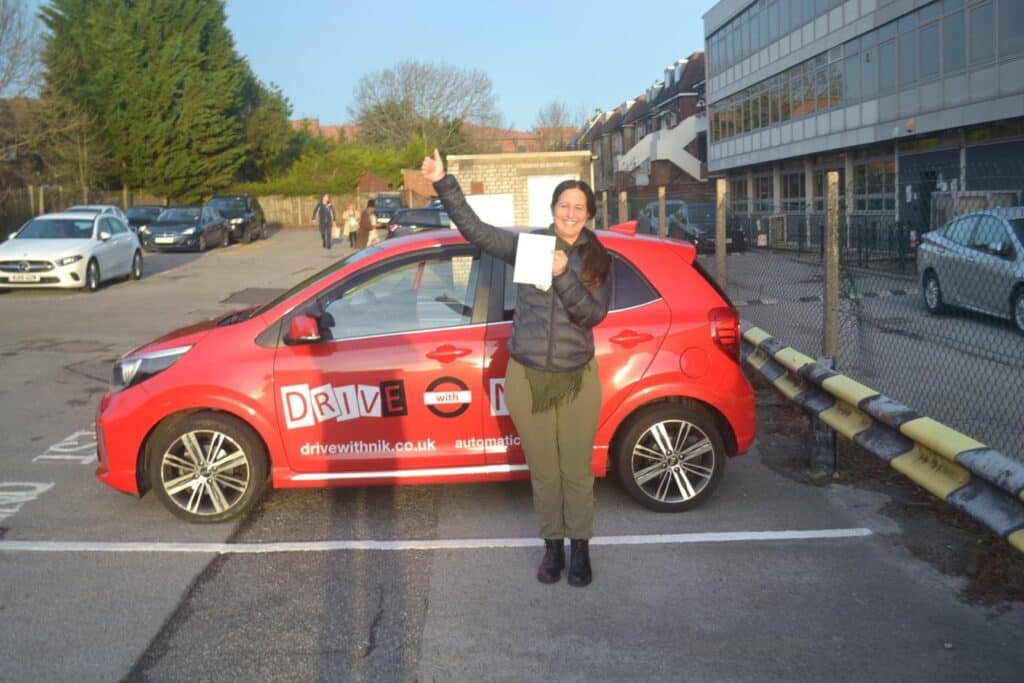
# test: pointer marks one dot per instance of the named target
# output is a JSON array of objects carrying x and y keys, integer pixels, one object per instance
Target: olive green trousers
[{"x": 559, "y": 448}]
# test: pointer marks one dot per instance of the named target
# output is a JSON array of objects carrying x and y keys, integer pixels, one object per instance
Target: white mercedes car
[{"x": 70, "y": 250}]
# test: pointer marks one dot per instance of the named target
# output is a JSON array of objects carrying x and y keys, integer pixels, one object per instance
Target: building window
[
  {"x": 1011, "y": 27},
  {"x": 982, "y": 19},
  {"x": 954, "y": 42},
  {"x": 793, "y": 195},
  {"x": 887, "y": 72},
  {"x": 908, "y": 55},
  {"x": 929, "y": 41},
  {"x": 738, "y": 195},
  {"x": 763, "y": 196}
]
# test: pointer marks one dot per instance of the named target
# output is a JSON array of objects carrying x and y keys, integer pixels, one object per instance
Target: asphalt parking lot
[{"x": 772, "y": 579}]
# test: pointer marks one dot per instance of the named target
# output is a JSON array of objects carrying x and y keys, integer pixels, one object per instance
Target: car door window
[
  {"x": 425, "y": 293},
  {"x": 629, "y": 287},
  {"x": 959, "y": 231},
  {"x": 989, "y": 236}
]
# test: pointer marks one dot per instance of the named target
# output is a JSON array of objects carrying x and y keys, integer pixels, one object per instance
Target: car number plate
[
  {"x": 24, "y": 277},
  {"x": 164, "y": 240}
]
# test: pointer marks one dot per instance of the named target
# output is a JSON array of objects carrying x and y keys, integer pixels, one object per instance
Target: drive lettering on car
[{"x": 305, "y": 406}]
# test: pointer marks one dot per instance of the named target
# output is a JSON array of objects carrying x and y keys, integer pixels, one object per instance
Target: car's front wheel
[
  {"x": 202, "y": 243},
  {"x": 207, "y": 467},
  {"x": 932, "y": 292},
  {"x": 136, "y": 273},
  {"x": 1017, "y": 309},
  {"x": 671, "y": 457},
  {"x": 92, "y": 276},
  {"x": 226, "y": 239}
]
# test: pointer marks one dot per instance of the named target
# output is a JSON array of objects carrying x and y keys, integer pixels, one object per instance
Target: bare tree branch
[{"x": 19, "y": 49}]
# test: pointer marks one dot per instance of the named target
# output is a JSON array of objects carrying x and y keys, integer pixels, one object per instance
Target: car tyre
[
  {"x": 1017, "y": 309},
  {"x": 202, "y": 243},
  {"x": 136, "y": 272},
  {"x": 92, "y": 276},
  {"x": 226, "y": 239},
  {"x": 263, "y": 233},
  {"x": 932, "y": 293},
  {"x": 671, "y": 457},
  {"x": 207, "y": 467}
]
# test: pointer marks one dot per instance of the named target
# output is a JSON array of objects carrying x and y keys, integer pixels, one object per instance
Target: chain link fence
[{"x": 932, "y": 318}]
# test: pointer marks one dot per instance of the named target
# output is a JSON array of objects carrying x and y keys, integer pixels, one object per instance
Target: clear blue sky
[{"x": 588, "y": 55}]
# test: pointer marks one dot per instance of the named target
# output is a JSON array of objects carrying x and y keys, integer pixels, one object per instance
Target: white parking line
[{"x": 454, "y": 544}]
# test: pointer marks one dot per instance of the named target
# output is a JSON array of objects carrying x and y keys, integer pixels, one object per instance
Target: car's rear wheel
[
  {"x": 92, "y": 276},
  {"x": 1017, "y": 309},
  {"x": 932, "y": 293},
  {"x": 671, "y": 457},
  {"x": 136, "y": 273},
  {"x": 207, "y": 467},
  {"x": 202, "y": 243},
  {"x": 226, "y": 239}
]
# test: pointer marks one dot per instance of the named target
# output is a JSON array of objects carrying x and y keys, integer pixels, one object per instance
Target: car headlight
[
  {"x": 237, "y": 221},
  {"x": 134, "y": 369},
  {"x": 68, "y": 260},
  {"x": 190, "y": 231},
  {"x": 144, "y": 229}
]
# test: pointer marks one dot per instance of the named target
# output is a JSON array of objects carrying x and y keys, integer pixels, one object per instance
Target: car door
[
  {"x": 952, "y": 255},
  {"x": 624, "y": 345},
  {"x": 124, "y": 246},
  {"x": 396, "y": 382},
  {"x": 988, "y": 273},
  {"x": 106, "y": 251}
]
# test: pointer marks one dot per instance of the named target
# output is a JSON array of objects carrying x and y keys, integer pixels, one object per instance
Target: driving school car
[{"x": 388, "y": 367}]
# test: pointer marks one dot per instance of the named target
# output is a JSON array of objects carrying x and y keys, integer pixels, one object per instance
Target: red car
[{"x": 387, "y": 367}]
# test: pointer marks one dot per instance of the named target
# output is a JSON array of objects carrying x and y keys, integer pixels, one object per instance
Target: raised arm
[{"x": 499, "y": 243}]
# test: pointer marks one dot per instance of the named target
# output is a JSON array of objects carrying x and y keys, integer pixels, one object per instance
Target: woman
[
  {"x": 551, "y": 385},
  {"x": 367, "y": 222},
  {"x": 350, "y": 223}
]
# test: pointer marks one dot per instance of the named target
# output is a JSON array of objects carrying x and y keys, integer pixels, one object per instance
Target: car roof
[
  {"x": 1000, "y": 211},
  {"x": 77, "y": 215}
]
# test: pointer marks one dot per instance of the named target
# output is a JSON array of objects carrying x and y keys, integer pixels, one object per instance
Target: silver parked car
[
  {"x": 976, "y": 261},
  {"x": 70, "y": 250}
]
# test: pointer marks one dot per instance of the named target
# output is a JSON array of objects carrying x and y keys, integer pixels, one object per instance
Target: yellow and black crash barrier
[{"x": 981, "y": 481}]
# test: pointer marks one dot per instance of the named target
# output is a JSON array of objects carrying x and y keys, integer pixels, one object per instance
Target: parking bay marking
[
  {"x": 79, "y": 447},
  {"x": 426, "y": 544}
]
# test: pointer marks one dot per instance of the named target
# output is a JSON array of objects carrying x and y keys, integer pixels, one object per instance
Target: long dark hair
[{"x": 596, "y": 259}]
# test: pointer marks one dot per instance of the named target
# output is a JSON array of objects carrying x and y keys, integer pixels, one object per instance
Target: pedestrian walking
[
  {"x": 367, "y": 222},
  {"x": 323, "y": 216},
  {"x": 350, "y": 223},
  {"x": 552, "y": 386}
]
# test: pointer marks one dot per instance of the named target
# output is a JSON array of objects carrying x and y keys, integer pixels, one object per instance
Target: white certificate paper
[{"x": 535, "y": 256}]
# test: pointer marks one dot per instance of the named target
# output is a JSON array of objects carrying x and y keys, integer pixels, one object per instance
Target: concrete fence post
[
  {"x": 662, "y": 218},
  {"x": 604, "y": 208},
  {"x": 623, "y": 207},
  {"x": 830, "y": 342},
  {"x": 721, "y": 205}
]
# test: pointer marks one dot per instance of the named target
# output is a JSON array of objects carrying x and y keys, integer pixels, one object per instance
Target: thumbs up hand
[{"x": 432, "y": 168}]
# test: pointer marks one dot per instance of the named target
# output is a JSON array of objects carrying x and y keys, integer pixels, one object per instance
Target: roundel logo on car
[{"x": 447, "y": 397}]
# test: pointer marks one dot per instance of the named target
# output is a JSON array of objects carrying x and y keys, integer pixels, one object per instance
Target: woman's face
[{"x": 570, "y": 214}]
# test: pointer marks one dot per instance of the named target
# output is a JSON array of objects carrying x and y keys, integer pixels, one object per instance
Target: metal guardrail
[{"x": 978, "y": 480}]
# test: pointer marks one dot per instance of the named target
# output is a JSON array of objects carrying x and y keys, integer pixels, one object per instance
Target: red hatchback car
[{"x": 387, "y": 367}]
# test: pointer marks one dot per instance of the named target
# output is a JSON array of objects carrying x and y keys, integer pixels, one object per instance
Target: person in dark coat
[
  {"x": 323, "y": 216},
  {"x": 367, "y": 222},
  {"x": 552, "y": 385}
]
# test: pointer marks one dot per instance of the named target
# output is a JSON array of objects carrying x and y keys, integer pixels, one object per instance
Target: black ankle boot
[
  {"x": 579, "y": 562},
  {"x": 550, "y": 569}
]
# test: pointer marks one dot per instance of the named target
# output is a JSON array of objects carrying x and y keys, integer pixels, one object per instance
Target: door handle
[
  {"x": 446, "y": 353},
  {"x": 629, "y": 338}
]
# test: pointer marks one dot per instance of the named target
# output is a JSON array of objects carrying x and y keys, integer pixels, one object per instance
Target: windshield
[
  {"x": 56, "y": 229},
  {"x": 147, "y": 212},
  {"x": 702, "y": 213},
  {"x": 388, "y": 202},
  {"x": 188, "y": 214},
  {"x": 228, "y": 204}
]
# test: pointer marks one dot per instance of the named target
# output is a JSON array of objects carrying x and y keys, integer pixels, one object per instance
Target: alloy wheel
[{"x": 204, "y": 473}]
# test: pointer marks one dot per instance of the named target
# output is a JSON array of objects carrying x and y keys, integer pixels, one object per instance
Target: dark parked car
[
  {"x": 976, "y": 261},
  {"x": 386, "y": 204},
  {"x": 700, "y": 229},
  {"x": 142, "y": 215},
  {"x": 186, "y": 227},
  {"x": 244, "y": 215},
  {"x": 409, "y": 221}
]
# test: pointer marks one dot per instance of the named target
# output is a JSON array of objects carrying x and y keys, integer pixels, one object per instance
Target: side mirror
[
  {"x": 303, "y": 329},
  {"x": 104, "y": 236}
]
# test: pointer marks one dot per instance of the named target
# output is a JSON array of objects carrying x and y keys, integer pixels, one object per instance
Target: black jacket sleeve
[
  {"x": 499, "y": 243},
  {"x": 585, "y": 308}
]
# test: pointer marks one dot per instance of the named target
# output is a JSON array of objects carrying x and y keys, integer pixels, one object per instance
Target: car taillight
[{"x": 725, "y": 329}]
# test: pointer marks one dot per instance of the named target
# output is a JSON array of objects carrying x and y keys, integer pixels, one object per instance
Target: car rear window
[{"x": 388, "y": 202}]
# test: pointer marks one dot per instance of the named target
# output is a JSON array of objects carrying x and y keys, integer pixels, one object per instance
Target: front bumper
[
  {"x": 156, "y": 240},
  {"x": 46, "y": 274}
]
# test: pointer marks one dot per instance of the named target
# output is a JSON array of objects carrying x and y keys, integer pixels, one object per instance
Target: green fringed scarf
[{"x": 549, "y": 388}]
